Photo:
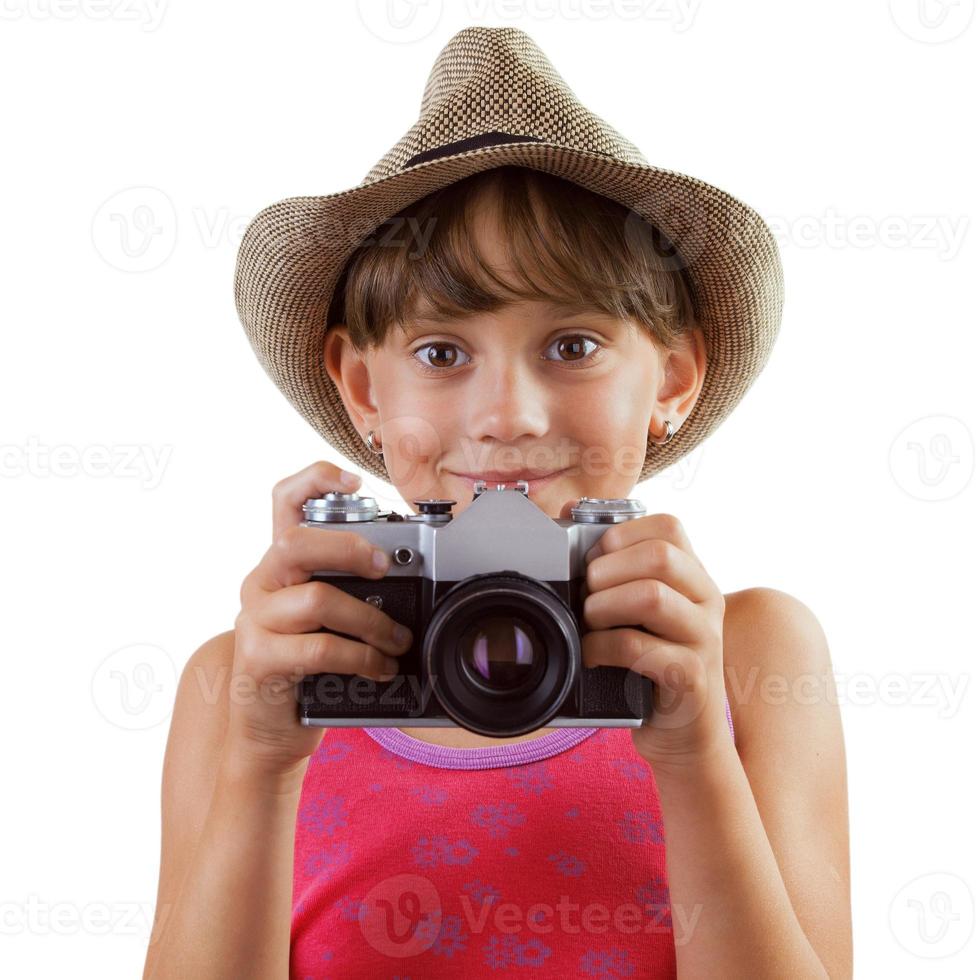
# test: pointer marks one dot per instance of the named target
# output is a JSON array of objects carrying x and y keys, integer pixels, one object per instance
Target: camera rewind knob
[
  {"x": 335, "y": 507},
  {"x": 599, "y": 510}
]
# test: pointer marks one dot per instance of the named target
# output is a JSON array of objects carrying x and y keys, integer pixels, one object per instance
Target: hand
[
  {"x": 282, "y": 632},
  {"x": 650, "y": 606}
]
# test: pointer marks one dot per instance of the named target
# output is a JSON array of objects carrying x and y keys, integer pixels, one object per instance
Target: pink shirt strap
[{"x": 728, "y": 715}]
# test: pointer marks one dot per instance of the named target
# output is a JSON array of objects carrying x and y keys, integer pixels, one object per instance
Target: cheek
[
  {"x": 612, "y": 434},
  {"x": 412, "y": 442},
  {"x": 408, "y": 434},
  {"x": 412, "y": 445}
]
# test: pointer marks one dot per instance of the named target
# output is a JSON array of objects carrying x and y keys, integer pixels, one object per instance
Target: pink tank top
[{"x": 544, "y": 858}]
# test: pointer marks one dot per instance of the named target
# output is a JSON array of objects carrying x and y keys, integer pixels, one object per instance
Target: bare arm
[
  {"x": 228, "y": 832},
  {"x": 237, "y": 755},
  {"x": 231, "y": 917},
  {"x": 757, "y": 844}
]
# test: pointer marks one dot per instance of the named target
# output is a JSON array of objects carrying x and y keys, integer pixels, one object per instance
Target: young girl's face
[{"x": 562, "y": 398}]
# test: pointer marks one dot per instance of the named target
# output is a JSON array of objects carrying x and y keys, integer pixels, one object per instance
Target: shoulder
[
  {"x": 776, "y": 654},
  {"x": 211, "y": 661},
  {"x": 219, "y": 649},
  {"x": 777, "y": 614},
  {"x": 202, "y": 682}
]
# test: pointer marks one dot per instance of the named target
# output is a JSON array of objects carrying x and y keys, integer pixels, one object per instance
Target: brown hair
[{"x": 596, "y": 255}]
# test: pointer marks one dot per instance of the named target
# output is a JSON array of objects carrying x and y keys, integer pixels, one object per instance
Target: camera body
[{"x": 494, "y": 602}]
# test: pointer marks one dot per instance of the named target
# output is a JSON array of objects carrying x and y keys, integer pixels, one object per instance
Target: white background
[{"x": 845, "y": 477}]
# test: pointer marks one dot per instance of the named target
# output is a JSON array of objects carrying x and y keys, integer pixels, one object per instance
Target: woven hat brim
[{"x": 293, "y": 251}]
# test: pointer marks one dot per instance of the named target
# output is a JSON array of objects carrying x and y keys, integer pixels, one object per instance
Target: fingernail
[
  {"x": 402, "y": 635},
  {"x": 349, "y": 479},
  {"x": 380, "y": 560},
  {"x": 389, "y": 669}
]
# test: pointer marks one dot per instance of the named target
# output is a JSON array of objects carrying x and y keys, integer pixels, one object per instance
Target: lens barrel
[{"x": 502, "y": 652}]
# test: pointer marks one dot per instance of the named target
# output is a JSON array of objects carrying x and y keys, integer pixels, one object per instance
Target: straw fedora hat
[{"x": 492, "y": 99}]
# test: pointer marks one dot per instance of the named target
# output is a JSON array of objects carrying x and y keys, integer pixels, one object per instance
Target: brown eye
[
  {"x": 573, "y": 347},
  {"x": 571, "y": 350},
  {"x": 437, "y": 356}
]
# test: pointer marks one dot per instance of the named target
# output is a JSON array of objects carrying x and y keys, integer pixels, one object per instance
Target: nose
[{"x": 507, "y": 403}]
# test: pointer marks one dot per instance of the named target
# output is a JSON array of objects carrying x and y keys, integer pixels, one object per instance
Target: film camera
[{"x": 494, "y": 601}]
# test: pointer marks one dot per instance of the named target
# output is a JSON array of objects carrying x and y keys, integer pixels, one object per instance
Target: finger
[
  {"x": 654, "y": 558},
  {"x": 681, "y": 688},
  {"x": 289, "y": 495},
  {"x": 647, "y": 603},
  {"x": 318, "y": 605},
  {"x": 299, "y": 655},
  {"x": 634, "y": 650},
  {"x": 299, "y": 551},
  {"x": 621, "y": 536}
]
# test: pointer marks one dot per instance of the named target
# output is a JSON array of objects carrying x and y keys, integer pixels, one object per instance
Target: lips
[
  {"x": 492, "y": 476},
  {"x": 502, "y": 477}
]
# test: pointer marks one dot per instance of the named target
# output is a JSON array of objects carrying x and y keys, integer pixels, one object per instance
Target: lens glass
[{"x": 502, "y": 652}]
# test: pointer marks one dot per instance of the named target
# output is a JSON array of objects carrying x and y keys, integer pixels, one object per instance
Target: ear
[
  {"x": 683, "y": 378},
  {"x": 349, "y": 371}
]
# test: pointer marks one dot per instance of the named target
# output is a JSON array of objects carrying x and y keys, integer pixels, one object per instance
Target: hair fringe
[{"x": 570, "y": 245}]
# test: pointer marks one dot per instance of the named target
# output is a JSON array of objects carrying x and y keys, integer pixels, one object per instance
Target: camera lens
[{"x": 502, "y": 653}]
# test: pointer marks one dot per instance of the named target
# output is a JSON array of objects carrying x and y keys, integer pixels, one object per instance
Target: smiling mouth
[{"x": 513, "y": 478}]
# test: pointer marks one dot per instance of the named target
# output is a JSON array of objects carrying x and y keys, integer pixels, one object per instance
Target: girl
[{"x": 523, "y": 330}]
